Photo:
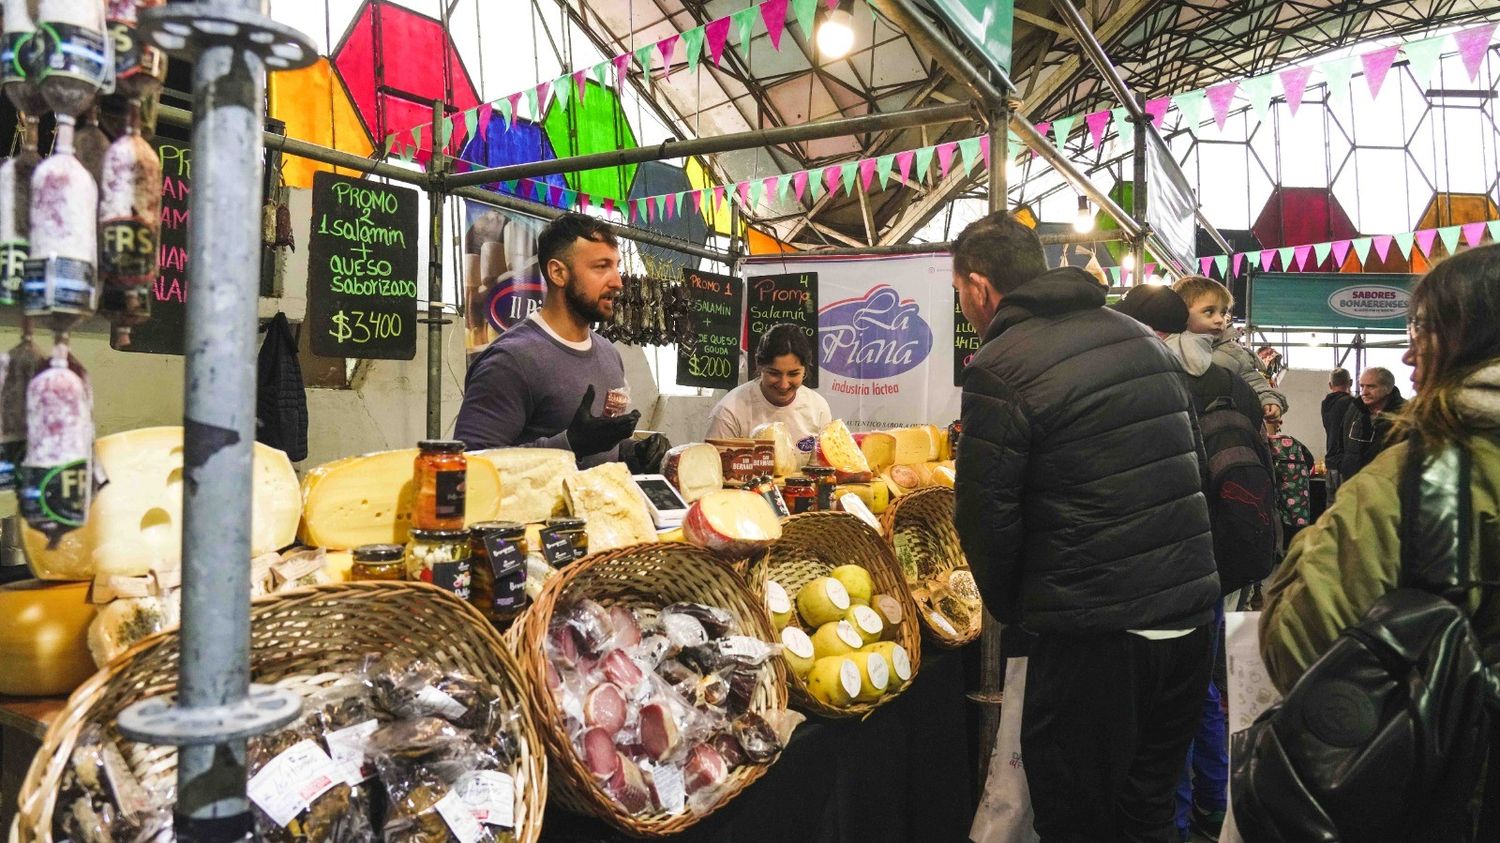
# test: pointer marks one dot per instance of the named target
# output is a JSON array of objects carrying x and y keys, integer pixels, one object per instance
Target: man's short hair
[
  {"x": 1194, "y": 287},
  {"x": 1383, "y": 375},
  {"x": 1340, "y": 377},
  {"x": 560, "y": 234},
  {"x": 1002, "y": 250}
]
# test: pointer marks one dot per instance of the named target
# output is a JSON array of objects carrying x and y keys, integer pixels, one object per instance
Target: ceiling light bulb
[
  {"x": 1084, "y": 222},
  {"x": 1128, "y": 262},
  {"x": 836, "y": 34}
]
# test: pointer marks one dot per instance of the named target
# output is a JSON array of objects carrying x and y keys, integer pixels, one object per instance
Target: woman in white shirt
[{"x": 776, "y": 394}]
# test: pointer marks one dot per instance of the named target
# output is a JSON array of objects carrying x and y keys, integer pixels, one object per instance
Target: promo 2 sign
[{"x": 362, "y": 269}]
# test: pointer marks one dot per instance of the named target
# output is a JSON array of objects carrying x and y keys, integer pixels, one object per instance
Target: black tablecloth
[{"x": 905, "y": 773}]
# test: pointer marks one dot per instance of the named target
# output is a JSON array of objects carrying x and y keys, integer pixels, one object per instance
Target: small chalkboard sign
[
  {"x": 773, "y": 299},
  {"x": 714, "y": 360},
  {"x": 966, "y": 342},
  {"x": 362, "y": 269},
  {"x": 166, "y": 331}
]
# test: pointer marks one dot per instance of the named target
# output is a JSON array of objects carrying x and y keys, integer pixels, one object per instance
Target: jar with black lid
[
  {"x": 498, "y": 555},
  {"x": 439, "y": 472},
  {"x": 440, "y": 557},
  {"x": 379, "y": 562},
  {"x": 564, "y": 540}
]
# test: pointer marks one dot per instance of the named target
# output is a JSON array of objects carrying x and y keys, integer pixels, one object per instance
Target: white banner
[{"x": 885, "y": 336}]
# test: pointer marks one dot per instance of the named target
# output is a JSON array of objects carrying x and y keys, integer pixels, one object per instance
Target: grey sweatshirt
[
  {"x": 1243, "y": 362},
  {"x": 523, "y": 390}
]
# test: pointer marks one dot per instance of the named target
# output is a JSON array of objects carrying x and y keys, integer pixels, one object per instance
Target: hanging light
[
  {"x": 1084, "y": 222},
  {"x": 1128, "y": 262},
  {"x": 836, "y": 32}
]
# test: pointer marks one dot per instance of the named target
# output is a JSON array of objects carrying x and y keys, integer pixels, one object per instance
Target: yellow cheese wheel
[
  {"x": 44, "y": 648},
  {"x": 368, "y": 499}
]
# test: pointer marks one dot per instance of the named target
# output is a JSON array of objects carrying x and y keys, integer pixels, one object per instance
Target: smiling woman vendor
[{"x": 776, "y": 395}]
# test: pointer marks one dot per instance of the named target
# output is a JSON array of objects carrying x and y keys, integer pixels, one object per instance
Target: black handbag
[{"x": 1385, "y": 737}]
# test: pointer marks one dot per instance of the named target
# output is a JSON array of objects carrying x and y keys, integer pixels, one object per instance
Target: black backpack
[
  {"x": 1384, "y": 738},
  {"x": 1241, "y": 488}
]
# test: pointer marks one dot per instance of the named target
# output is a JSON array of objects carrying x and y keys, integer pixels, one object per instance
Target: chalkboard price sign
[
  {"x": 166, "y": 331},
  {"x": 966, "y": 342},
  {"x": 715, "y": 302},
  {"x": 773, "y": 299},
  {"x": 362, "y": 269}
]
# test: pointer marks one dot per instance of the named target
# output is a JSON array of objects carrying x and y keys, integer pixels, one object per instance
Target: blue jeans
[{"x": 1205, "y": 775}]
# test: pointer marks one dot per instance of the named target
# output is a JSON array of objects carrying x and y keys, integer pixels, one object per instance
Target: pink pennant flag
[
  {"x": 1266, "y": 257},
  {"x": 867, "y": 173},
  {"x": 1097, "y": 122},
  {"x": 1150, "y": 270},
  {"x": 904, "y": 161},
  {"x": 1340, "y": 252},
  {"x": 580, "y": 81},
  {"x": 945, "y": 152},
  {"x": 984, "y": 149},
  {"x": 1157, "y": 108},
  {"x": 1377, "y": 65},
  {"x": 1294, "y": 84},
  {"x": 583, "y": 202},
  {"x": 1474, "y": 233},
  {"x": 769, "y": 186},
  {"x": 718, "y": 196},
  {"x": 744, "y": 190},
  {"x": 1239, "y": 258},
  {"x": 486, "y": 113},
  {"x": 671, "y": 202},
  {"x": 1383, "y": 246},
  {"x": 554, "y": 195},
  {"x": 622, "y": 68},
  {"x": 634, "y": 212},
  {"x": 1044, "y": 128},
  {"x": 542, "y": 91},
  {"x": 1425, "y": 238},
  {"x": 832, "y": 4},
  {"x": 799, "y": 183},
  {"x": 651, "y": 209},
  {"x": 1204, "y": 264},
  {"x": 717, "y": 32},
  {"x": 697, "y": 201},
  {"x": 1302, "y": 252},
  {"x": 1472, "y": 44},
  {"x": 1220, "y": 97},
  {"x": 515, "y": 106},
  {"x": 609, "y": 206},
  {"x": 667, "y": 46},
  {"x": 831, "y": 176},
  {"x": 773, "y": 12}
]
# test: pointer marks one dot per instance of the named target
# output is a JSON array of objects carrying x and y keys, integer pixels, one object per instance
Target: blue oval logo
[{"x": 875, "y": 336}]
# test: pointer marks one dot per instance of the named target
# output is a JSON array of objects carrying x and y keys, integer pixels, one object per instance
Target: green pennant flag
[
  {"x": 643, "y": 55},
  {"x": 693, "y": 41},
  {"x": 510, "y": 187},
  {"x": 504, "y": 105},
  {"x": 560, "y": 89},
  {"x": 1061, "y": 128},
  {"x": 1423, "y": 56},
  {"x": 1321, "y": 251},
  {"x": 805, "y": 11},
  {"x": 406, "y": 153},
  {"x": 531, "y": 105},
  {"x": 390, "y": 143},
  {"x": 1404, "y": 243},
  {"x": 1221, "y": 262},
  {"x": 1191, "y": 105},
  {"x": 744, "y": 23},
  {"x": 471, "y": 122},
  {"x": 446, "y": 127},
  {"x": 1124, "y": 127},
  {"x": 1337, "y": 74},
  {"x": 883, "y": 166},
  {"x": 815, "y": 184},
  {"x": 969, "y": 149},
  {"x": 1449, "y": 236},
  {"x": 1253, "y": 258},
  {"x": 924, "y": 161},
  {"x": 783, "y": 187},
  {"x": 1362, "y": 249},
  {"x": 1286, "y": 258},
  {"x": 601, "y": 73},
  {"x": 1114, "y": 274},
  {"x": 1259, "y": 89},
  {"x": 1494, "y": 227},
  {"x": 757, "y": 191},
  {"x": 570, "y": 198},
  {"x": 416, "y": 136},
  {"x": 682, "y": 207},
  {"x": 847, "y": 172},
  {"x": 539, "y": 188}
]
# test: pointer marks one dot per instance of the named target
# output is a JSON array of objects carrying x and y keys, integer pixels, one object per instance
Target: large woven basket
[
  {"x": 306, "y": 638},
  {"x": 924, "y": 519},
  {"x": 642, "y": 577},
  {"x": 813, "y": 544}
]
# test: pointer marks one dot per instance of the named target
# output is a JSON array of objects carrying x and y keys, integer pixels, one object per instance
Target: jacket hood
[
  {"x": 1195, "y": 351},
  {"x": 1052, "y": 293},
  {"x": 1334, "y": 397},
  {"x": 1478, "y": 400}
]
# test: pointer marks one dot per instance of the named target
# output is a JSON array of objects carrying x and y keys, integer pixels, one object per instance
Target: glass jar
[
  {"x": 379, "y": 562},
  {"x": 571, "y": 529},
  {"x": 801, "y": 494},
  {"x": 824, "y": 480},
  {"x": 766, "y": 488},
  {"x": 439, "y": 473},
  {"x": 498, "y": 558},
  {"x": 440, "y": 557}
]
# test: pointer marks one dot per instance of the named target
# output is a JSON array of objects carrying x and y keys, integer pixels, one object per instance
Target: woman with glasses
[{"x": 1367, "y": 422}]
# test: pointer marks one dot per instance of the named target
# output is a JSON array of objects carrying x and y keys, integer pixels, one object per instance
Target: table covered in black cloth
[{"x": 904, "y": 773}]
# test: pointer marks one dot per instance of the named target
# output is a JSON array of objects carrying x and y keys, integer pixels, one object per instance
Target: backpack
[
  {"x": 1294, "y": 465},
  {"x": 1384, "y": 738},
  {"x": 1241, "y": 488}
]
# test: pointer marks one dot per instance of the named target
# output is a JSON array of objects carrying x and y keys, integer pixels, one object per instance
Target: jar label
[
  {"x": 55, "y": 499},
  {"x": 450, "y": 494},
  {"x": 75, "y": 52},
  {"x": 508, "y": 565},
  {"x": 774, "y": 498},
  {"x": 11, "y": 454},
  {"x": 127, "y": 251},
  {"x": 799, "y": 504},
  {"x": 557, "y": 548},
  {"x": 825, "y": 496},
  {"x": 13, "y": 254},
  {"x": 450, "y": 576},
  {"x": 59, "y": 285}
]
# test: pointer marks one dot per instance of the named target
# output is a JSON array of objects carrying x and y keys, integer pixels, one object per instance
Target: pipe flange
[
  {"x": 160, "y": 721},
  {"x": 186, "y": 29}
]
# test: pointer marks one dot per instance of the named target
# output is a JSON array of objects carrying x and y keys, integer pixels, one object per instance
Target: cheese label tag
[
  {"x": 490, "y": 795},
  {"x": 455, "y": 812},
  {"x": 433, "y": 700},
  {"x": 671, "y": 791},
  {"x": 287, "y": 785}
]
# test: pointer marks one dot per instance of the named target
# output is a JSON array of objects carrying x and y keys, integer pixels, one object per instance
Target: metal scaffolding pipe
[
  {"x": 1029, "y": 135},
  {"x": 908, "y": 19},
  {"x": 435, "y": 320},
  {"x": 927, "y": 116}
]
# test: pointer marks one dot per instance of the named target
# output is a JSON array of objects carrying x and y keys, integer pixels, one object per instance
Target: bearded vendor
[
  {"x": 552, "y": 381},
  {"x": 776, "y": 394}
]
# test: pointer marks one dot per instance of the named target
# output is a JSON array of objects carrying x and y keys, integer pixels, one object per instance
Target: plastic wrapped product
[
  {"x": 15, "y": 222},
  {"x": 77, "y": 59},
  {"x": 56, "y": 477},
  {"x": 139, "y": 67},
  {"x": 60, "y": 277},
  {"x": 129, "y": 229}
]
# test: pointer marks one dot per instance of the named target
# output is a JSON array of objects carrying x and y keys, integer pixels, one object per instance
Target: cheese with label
[
  {"x": 880, "y": 450},
  {"x": 44, "y": 649},
  {"x": 788, "y": 458},
  {"x": 836, "y": 449},
  {"x": 607, "y": 499},
  {"x": 531, "y": 481},
  {"x": 695, "y": 469},
  {"x": 731, "y": 521},
  {"x": 135, "y": 520},
  {"x": 368, "y": 499},
  {"x": 914, "y": 445}
]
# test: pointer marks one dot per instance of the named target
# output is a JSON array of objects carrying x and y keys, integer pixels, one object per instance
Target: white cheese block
[
  {"x": 731, "y": 521},
  {"x": 368, "y": 499},
  {"x": 695, "y": 469},
  {"x": 531, "y": 481},
  {"x": 135, "y": 521},
  {"x": 788, "y": 457},
  {"x": 609, "y": 501}
]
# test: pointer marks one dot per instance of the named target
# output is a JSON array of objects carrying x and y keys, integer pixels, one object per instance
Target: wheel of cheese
[
  {"x": 695, "y": 469},
  {"x": 731, "y": 521}
]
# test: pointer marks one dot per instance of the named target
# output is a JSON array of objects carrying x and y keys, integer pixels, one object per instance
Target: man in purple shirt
[{"x": 546, "y": 382}]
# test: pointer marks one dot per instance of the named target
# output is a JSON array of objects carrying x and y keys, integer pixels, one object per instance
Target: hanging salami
[
  {"x": 21, "y": 365},
  {"x": 78, "y": 63},
  {"x": 139, "y": 67},
  {"x": 56, "y": 476},
  {"x": 20, "y": 63},
  {"x": 60, "y": 275}
]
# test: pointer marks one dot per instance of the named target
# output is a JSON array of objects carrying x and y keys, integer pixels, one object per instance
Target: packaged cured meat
[
  {"x": 60, "y": 274},
  {"x": 21, "y": 365},
  {"x": 605, "y": 708},
  {"x": 56, "y": 475},
  {"x": 15, "y": 220},
  {"x": 77, "y": 58},
  {"x": 90, "y": 143},
  {"x": 129, "y": 228},
  {"x": 139, "y": 67}
]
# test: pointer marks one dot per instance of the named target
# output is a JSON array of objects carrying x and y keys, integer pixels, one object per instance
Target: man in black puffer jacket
[{"x": 1080, "y": 508}]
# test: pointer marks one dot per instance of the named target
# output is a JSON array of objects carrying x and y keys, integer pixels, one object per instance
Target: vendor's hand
[
  {"x": 590, "y": 434},
  {"x": 645, "y": 456},
  {"x": 1273, "y": 411}
]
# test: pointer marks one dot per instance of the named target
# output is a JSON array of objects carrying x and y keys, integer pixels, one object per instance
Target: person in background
[
  {"x": 552, "y": 381},
  {"x": 1079, "y": 505},
  {"x": 1294, "y": 464},
  {"x": 1335, "y": 404},
  {"x": 1351, "y": 556},
  {"x": 776, "y": 394},
  {"x": 1367, "y": 423},
  {"x": 1272, "y": 363},
  {"x": 1209, "y": 303}
]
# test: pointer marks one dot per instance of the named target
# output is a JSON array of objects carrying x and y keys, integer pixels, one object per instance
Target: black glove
[
  {"x": 645, "y": 456},
  {"x": 590, "y": 434}
]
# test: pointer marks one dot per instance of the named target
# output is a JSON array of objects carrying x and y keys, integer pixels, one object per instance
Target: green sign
[
  {"x": 985, "y": 24},
  {"x": 1328, "y": 301}
]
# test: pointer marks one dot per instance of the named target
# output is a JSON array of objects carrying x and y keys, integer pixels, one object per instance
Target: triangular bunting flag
[
  {"x": 903, "y": 161},
  {"x": 609, "y": 206},
  {"x": 513, "y": 187},
  {"x": 883, "y": 166},
  {"x": 669, "y": 210},
  {"x": 815, "y": 185},
  {"x": 622, "y": 69},
  {"x": 533, "y": 103},
  {"x": 866, "y": 173},
  {"x": 486, "y": 114},
  {"x": 1157, "y": 108},
  {"x": 651, "y": 206},
  {"x": 416, "y": 136},
  {"x": 668, "y": 48},
  {"x": 768, "y": 187},
  {"x": 1320, "y": 253},
  {"x": 1494, "y": 228},
  {"x": 560, "y": 89},
  {"x": 1294, "y": 85},
  {"x": 1191, "y": 106},
  {"x": 744, "y": 24},
  {"x": 1474, "y": 234},
  {"x": 1267, "y": 257},
  {"x": 1239, "y": 258},
  {"x": 945, "y": 153},
  {"x": 773, "y": 12},
  {"x": 984, "y": 151},
  {"x": 697, "y": 196},
  {"x": 756, "y": 192},
  {"x": 643, "y": 56},
  {"x": 508, "y": 108},
  {"x": 831, "y": 175},
  {"x": 1361, "y": 249},
  {"x": 1061, "y": 128},
  {"x": 805, "y": 10},
  {"x": 716, "y": 32},
  {"x": 924, "y": 161},
  {"x": 390, "y": 143},
  {"x": 542, "y": 190},
  {"x": 1423, "y": 56},
  {"x": 1340, "y": 253},
  {"x": 744, "y": 192},
  {"x": 1043, "y": 129},
  {"x": 471, "y": 122},
  {"x": 1337, "y": 74},
  {"x": 1285, "y": 254},
  {"x": 1377, "y": 65},
  {"x": 1472, "y": 45},
  {"x": 1383, "y": 246},
  {"x": 969, "y": 149},
  {"x": 1449, "y": 235},
  {"x": 1097, "y": 122},
  {"x": 1203, "y": 264},
  {"x": 693, "y": 41},
  {"x": 583, "y": 201},
  {"x": 847, "y": 173},
  {"x": 447, "y": 128},
  {"x": 1425, "y": 240},
  {"x": 569, "y": 198},
  {"x": 1220, "y": 97},
  {"x": 1302, "y": 253},
  {"x": 1404, "y": 243},
  {"x": 1124, "y": 126},
  {"x": 799, "y": 183},
  {"x": 601, "y": 74},
  {"x": 1258, "y": 90},
  {"x": 718, "y": 196},
  {"x": 581, "y": 84},
  {"x": 1221, "y": 263},
  {"x": 783, "y": 187},
  {"x": 1253, "y": 256}
]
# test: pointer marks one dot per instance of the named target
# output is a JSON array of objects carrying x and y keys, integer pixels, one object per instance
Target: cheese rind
[
  {"x": 611, "y": 504},
  {"x": 695, "y": 469},
  {"x": 44, "y": 647},
  {"x": 531, "y": 481},
  {"x": 368, "y": 499},
  {"x": 836, "y": 448},
  {"x": 731, "y": 521}
]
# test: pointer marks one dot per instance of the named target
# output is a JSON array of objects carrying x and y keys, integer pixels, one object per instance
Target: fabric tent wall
[
  {"x": 315, "y": 106},
  {"x": 598, "y": 124}
]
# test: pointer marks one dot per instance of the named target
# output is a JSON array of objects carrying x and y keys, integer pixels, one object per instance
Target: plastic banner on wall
[
  {"x": 1327, "y": 301},
  {"x": 885, "y": 336},
  {"x": 1171, "y": 206},
  {"x": 502, "y": 285}
]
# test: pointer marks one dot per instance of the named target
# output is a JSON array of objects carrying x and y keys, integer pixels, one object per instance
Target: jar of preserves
[
  {"x": 440, "y": 557},
  {"x": 439, "y": 474},
  {"x": 767, "y": 489},
  {"x": 379, "y": 562},
  {"x": 800, "y": 494},
  {"x": 564, "y": 540},
  {"x": 499, "y": 550},
  {"x": 824, "y": 481}
]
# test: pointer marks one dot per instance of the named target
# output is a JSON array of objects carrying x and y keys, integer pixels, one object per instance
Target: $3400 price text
[{"x": 362, "y": 326}]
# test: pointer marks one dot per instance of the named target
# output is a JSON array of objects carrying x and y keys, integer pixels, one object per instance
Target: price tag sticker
[
  {"x": 439, "y": 703},
  {"x": 285, "y": 787},
  {"x": 671, "y": 792},
  {"x": 349, "y": 748},
  {"x": 455, "y": 812},
  {"x": 491, "y": 797}
]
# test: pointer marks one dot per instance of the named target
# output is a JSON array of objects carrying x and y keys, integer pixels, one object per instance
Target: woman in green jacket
[{"x": 1340, "y": 565}]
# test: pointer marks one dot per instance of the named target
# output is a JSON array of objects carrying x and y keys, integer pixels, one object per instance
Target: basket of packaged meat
[
  {"x": 414, "y": 727},
  {"x": 849, "y": 633},
  {"x": 919, "y": 527},
  {"x": 659, "y": 691}
]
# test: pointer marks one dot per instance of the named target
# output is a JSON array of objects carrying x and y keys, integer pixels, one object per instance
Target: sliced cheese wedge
[
  {"x": 835, "y": 448},
  {"x": 612, "y": 506},
  {"x": 531, "y": 481},
  {"x": 695, "y": 469},
  {"x": 368, "y": 499}
]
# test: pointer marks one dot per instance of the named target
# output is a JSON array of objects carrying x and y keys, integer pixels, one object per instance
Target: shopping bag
[
  {"x": 1249, "y": 688},
  {"x": 1004, "y": 814}
]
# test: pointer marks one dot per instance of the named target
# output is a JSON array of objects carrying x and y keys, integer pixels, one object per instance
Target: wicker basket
[
  {"x": 307, "y": 638},
  {"x": 925, "y": 518},
  {"x": 647, "y": 576},
  {"x": 813, "y": 544}
]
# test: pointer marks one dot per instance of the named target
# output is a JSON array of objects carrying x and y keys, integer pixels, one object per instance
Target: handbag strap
[{"x": 1436, "y": 517}]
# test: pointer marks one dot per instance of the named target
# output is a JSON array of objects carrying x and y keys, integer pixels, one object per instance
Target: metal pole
[
  {"x": 929, "y": 115},
  {"x": 435, "y": 167},
  {"x": 1043, "y": 147},
  {"x": 1138, "y": 187},
  {"x": 934, "y": 42}
]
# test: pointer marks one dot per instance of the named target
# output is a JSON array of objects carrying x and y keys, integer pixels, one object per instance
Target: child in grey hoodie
[{"x": 1208, "y": 304}]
